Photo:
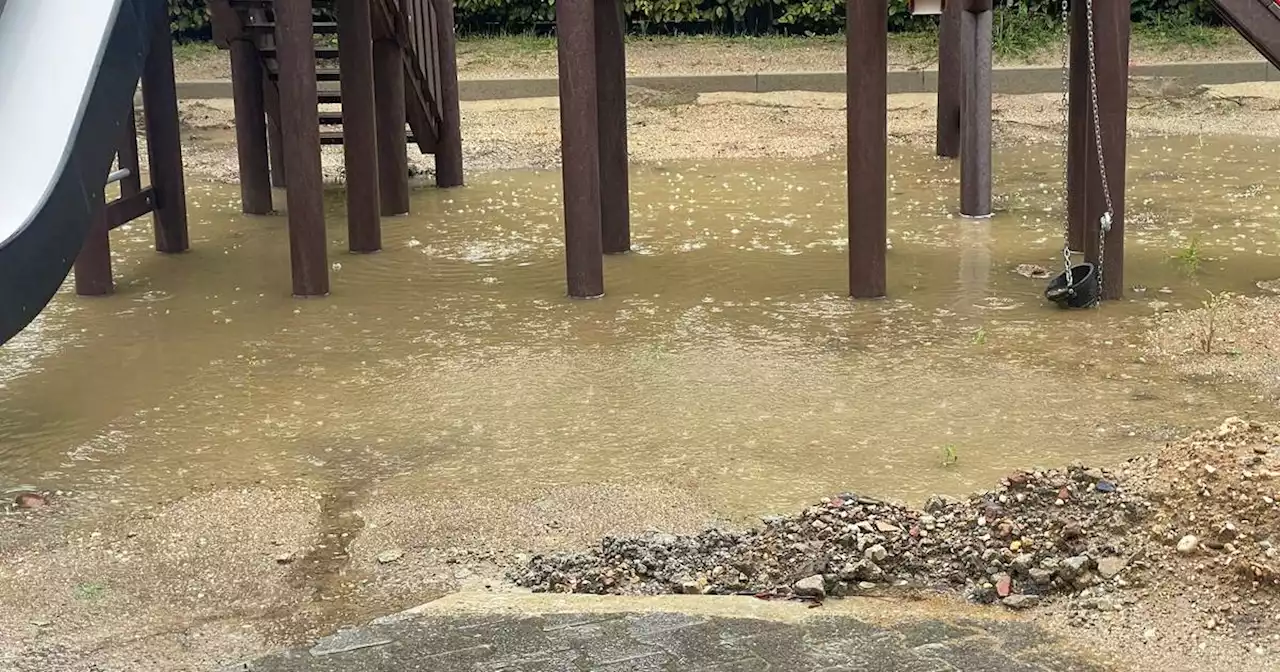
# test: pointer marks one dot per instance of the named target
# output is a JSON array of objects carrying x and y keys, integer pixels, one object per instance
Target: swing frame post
[
  {"x": 1086, "y": 191},
  {"x": 975, "y": 110}
]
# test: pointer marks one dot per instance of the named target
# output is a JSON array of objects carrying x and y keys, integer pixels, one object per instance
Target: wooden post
[
  {"x": 611, "y": 101},
  {"x": 580, "y": 147},
  {"x": 393, "y": 152},
  {"x": 164, "y": 137},
  {"x": 359, "y": 125},
  {"x": 1079, "y": 124},
  {"x": 449, "y": 146},
  {"x": 867, "y": 65},
  {"x": 275, "y": 136},
  {"x": 301, "y": 128},
  {"x": 93, "y": 264},
  {"x": 128, "y": 157},
  {"x": 251, "y": 126},
  {"x": 950, "y": 80},
  {"x": 1111, "y": 48},
  {"x": 975, "y": 118}
]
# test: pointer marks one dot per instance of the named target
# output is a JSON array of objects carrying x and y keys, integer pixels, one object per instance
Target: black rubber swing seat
[{"x": 1083, "y": 291}]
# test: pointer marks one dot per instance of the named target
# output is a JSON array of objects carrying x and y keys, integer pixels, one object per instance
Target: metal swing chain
[{"x": 1104, "y": 222}]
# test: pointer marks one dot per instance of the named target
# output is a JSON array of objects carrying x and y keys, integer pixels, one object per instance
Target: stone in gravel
[
  {"x": 1110, "y": 567},
  {"x": 882, "y": 526},
  {"x": 390, "y": 555},
  {"x": 1073, "y": 566},
  {"x": 284, "y": 558},
  {"x": 1020, "y": 601},
  {"x": 812, "y": 586},
  {"x": 1041, "y": 577},
  {"x": 875, "y": 553},
  {"x": 1261, "y": 450},
  {"x": 1188, "y": 544},
  {"x": 30, "y": 500},
  {"x": 1004, "y": 585},
  {"x": 1105, "y": 486},
  {"x": 862, "y": 570}
]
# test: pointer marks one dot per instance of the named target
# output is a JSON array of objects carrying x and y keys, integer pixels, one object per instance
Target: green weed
[
  {"x": 949, "y": 455},
  {"x": 1191, "y": 257}
]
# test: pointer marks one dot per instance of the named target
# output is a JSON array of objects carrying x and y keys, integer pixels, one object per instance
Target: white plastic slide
[{"x": 68, "y": 72}]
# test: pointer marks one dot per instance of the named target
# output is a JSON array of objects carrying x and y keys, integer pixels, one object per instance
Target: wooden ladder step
[
  {"x": 334, "y": 137},
  {"x": 318, "y": 27},
  {"x": 321, "y": 52},
  {"x": 322, "y": 74}
]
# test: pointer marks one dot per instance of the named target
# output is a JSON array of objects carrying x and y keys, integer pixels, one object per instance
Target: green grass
[
  {"x": 1176, "y": 34},
  {"x": 190, "y": 51}
]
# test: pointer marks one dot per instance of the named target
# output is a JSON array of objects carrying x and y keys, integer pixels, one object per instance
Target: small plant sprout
[
  {"x": 1207, "y": 330},
  {"x": 949, "y": 455},
  {"x": 980, "y": 336},
  {"x": 1191, "y": 257}
]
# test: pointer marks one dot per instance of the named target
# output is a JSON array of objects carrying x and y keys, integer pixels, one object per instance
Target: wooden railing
[{"x": 421, "y": 18}]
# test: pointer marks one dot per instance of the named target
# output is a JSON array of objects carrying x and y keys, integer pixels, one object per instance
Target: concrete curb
[{"x": 1018, "y": 80}]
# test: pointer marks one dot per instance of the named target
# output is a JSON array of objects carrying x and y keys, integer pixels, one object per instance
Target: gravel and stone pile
[
  {"x": 1037, "y": 533},
  {"x": 1089, "y": 533}
]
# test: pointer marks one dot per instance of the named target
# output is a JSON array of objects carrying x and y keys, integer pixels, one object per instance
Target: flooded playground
[
  {"x": 448, "y": 402},
  {"x": 724, "y": 359}
]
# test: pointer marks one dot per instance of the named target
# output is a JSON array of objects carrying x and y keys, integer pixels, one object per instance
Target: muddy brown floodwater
[
  {"x": 228, "y": 463},
  {"x": 725, "y": 358}
]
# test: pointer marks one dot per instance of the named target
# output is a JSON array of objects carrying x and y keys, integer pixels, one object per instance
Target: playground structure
[
  {"x": 397, "y": 68},
  {"x": 396, "y": 65},
  {"x": 593, "y": 124}
]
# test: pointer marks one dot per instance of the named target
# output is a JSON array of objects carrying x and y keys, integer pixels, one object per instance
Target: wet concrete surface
[{"x": 577, "y": 642}]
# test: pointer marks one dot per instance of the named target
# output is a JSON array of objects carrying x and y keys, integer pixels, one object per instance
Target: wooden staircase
[{"x": 409, "y": 23}]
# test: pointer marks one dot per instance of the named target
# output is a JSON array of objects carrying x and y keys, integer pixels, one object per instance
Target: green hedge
[{"x": 190, "y": 18}]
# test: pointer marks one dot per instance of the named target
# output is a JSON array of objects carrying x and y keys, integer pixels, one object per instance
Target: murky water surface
[{"x": 725, "y": 357}]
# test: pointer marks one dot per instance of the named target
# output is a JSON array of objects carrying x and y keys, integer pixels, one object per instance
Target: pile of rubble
[{"x": 1210, "y": 499}]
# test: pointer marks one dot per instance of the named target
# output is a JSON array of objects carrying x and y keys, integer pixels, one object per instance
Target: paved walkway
[{"x": 661, "y": 641}]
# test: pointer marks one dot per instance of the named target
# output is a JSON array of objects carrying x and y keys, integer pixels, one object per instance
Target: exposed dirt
[
  {"x": 1229, "y": 338},
  {"x": 209, "y": 580},
  {"x": 523, "y": 57},
  {"x": 665, "y": 126}
]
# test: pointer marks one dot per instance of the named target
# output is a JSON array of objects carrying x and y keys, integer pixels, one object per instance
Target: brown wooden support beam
[
  {"x": 449, "y": 147},
  {"x": 93, "y": 264},
  {"x": 580, "y": 147},
  {"x": 301, "y": 126},
  {"x": 975, "y": 118},
  {"x": 1079, "y": 122},
  {"x": 164, "y": 137},
  {"x": 359, "y": 125},
  {"x": 393, "y": 152},
  {"x": 950, "y": 80},
  {"x": 611, "y": 101},
  {"x": 128, "y": 208},
  {"x": 867, "y": 65},
  {"x": 1111, "y": 48},
  {"x": 251, "y": 126},
  {"x": 128, "y": 157}
]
